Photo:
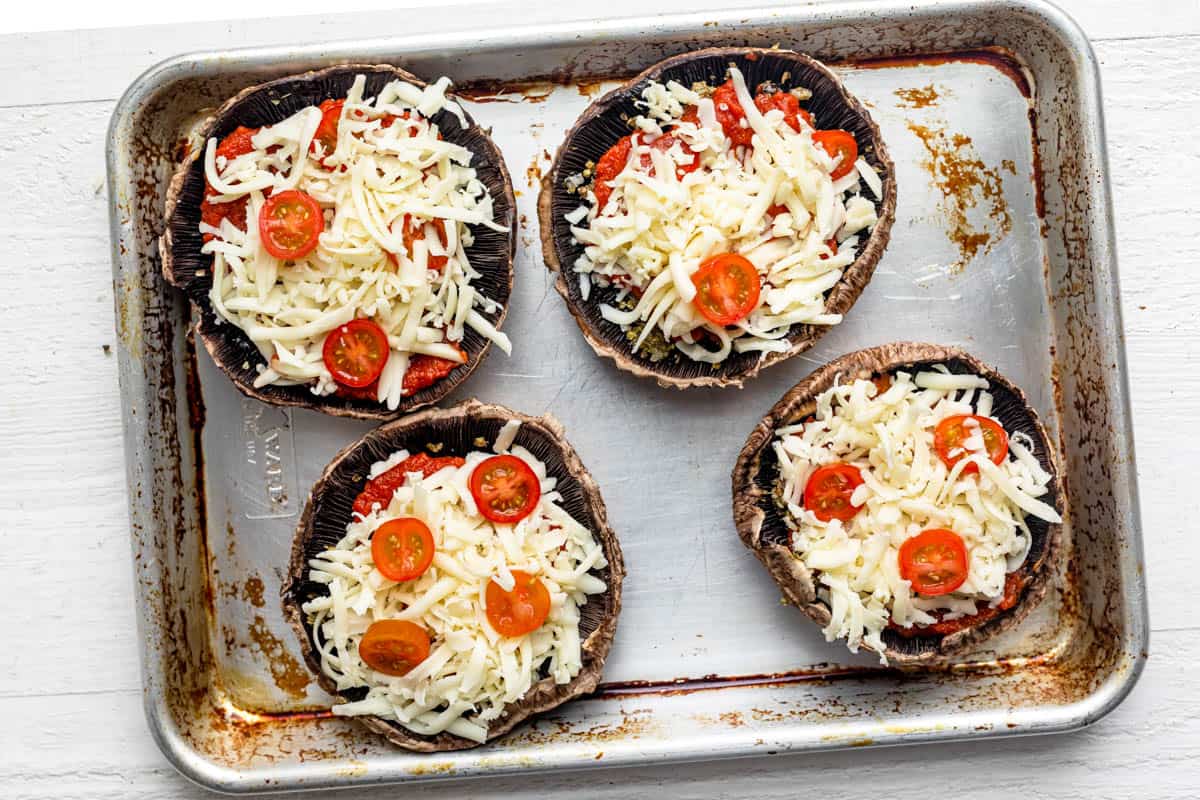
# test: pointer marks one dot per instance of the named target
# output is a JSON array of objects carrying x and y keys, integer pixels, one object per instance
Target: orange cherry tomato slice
[
  {"x": 325, "y": 139},
  {"x": 402, "y": 549},
  {"x": 829, "y": 489},
  {"x": 934, "y": 561},
  {"x": 839, "y": 143},
  {"x": 355, "y": 353},
  {"x": 290, "y": 224},
  {"x": 505, "y": 489},
  {"x": 394, "y": 646},
  {"x": 521, "y": 611},
  {"x": 727, "y": 288},
  {"x": 951, "y": 432}
]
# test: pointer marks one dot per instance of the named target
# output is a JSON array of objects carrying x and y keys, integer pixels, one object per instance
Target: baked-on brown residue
[
  {"x": 533, "y": 173},
  {"x": 923, "y": 97},
  {"x": 252, "y": 591},
  {"x": 965, "y": 183},
  {"x": 501, "y": 92},
  {"x": 288, "y": 674}
]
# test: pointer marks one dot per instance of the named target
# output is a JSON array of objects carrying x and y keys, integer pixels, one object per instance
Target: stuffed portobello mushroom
[
  {"x": 347, "y": 237},
  {"x": 716, "y": 214},
  {"x": 453, "y": 574},
  {"x": 907, "y": 499}
]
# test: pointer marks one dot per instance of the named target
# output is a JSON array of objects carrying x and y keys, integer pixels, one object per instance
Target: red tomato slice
[
  {"x": 402, "y": 549},
  {"x": 325, "y": 139},
  {"x": 290, "y": 224},
  {"x": 727, "y": 288},
  {"x": 934, "y": 561},
  {"x": 521, "y": 611},
  {"x": 505, "y": 489},
  {"x": 951, "y": 432},
  {"x": 356, "y": 353},
  {"x": 608, "y": 167},
  {"x": 829, "y": 489},
  {"x": 394, "y": 646},
  {"x": 839, "y": 143}
]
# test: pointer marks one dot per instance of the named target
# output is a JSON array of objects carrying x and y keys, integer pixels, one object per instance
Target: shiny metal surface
[{"x": 1002, "y": 245}]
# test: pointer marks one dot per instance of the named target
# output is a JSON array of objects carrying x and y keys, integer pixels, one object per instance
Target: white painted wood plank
[
  {"x": 95, "y": 747},
  {"x": 77, "y": 66}
]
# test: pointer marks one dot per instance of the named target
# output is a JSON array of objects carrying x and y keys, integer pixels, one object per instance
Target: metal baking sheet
[{"x": 1002, "y": 245}]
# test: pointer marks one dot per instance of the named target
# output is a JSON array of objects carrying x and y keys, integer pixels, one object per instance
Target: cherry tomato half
[
  {"x": 505, "y": 489},
  {"x": 934, "y": 561},
  {"x": 394, "y": 646},
  {"x": 829, "y": 489},
  {"x": 290, "y": 224},
  {"x": 402, "y": 549},
  {"x": 951, "y": 432},
  {"x": 521, "y": 611},
  {"x": 355, "y": 353},
  {"x": 727, "y": 288},
  {"x": 839, "y": 143}
]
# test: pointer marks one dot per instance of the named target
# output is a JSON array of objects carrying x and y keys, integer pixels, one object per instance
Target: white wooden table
[{"x": 71, "y": 723}]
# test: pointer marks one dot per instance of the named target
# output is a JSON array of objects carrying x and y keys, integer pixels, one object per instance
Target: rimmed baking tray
[{"x": 1003, "y": 245}]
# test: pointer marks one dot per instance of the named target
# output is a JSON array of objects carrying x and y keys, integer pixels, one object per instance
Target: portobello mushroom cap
[
  {"x": 453, "y": 431},
  {"x": 760, "y": 519},
  {"x": 604, "y": 122},
  {"x": 185, "y": 267}
]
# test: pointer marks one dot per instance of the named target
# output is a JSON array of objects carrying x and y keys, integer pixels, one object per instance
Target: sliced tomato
[
  {"x": 839, "y": 143},
  {"x": 402, "y": 549},
  {"x": 414, "y": 231},
  {"x": 290, "y": 224},
  {"x": 727, "y": 288},
  {"x": 426, "y": 370},
  {"x": 355, "y": 353},
  {"x": 786, "y": 103},
  {"x": 236, "y": 144},
  {"x": 731, "y": 115},
  {"x": 325, "y": 140},
  {"x": 394, "y": 646},
  {"x": 829, "y": 489},
  {"x": 381, "y": 488},
  {"x": 934, "y": 561},
  {"x": 505, "y": 489},
  {"x": 609, "y": 167},
  {"x": 520, "y": 611},
  {"x": 951, "y": 432}
]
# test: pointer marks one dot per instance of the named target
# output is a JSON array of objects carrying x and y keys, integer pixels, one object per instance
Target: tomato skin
[
  {"x": 838, "y": 142},
  {"x": 828, "y": 490},
  {"x": 727, "y": 288},
  {"x": 1014, "y": 584},
  {"x": 934, "y": 561},
  {"x": 609, "y": 167},
  {"x": 402, "y": 549},
  {"x": 235, "y": 144},
  {"x": 355, "y": 353},
  {"x": 521, "y": 611},
  {"x": 505, "y": 489},
  {"x": 951, "y": 431},
  {"x": 394, "y": 646},
  {"x": 424, "y": 370},
  {"x": 290, "y": 224},
  {"x": 381, "y": 488}
]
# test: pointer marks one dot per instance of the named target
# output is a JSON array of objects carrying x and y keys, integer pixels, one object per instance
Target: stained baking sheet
[{"x": 1002, "y": 245}]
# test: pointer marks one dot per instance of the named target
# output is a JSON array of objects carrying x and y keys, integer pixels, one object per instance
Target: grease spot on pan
[
  {"x": 922, "y": 97},
  {"x": 288, "y": 674}
]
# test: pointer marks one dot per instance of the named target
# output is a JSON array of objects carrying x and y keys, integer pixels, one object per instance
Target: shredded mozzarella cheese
[
  {"x": 390, "y": 170},
  {"x": 658, "y": 225},
  {"x": 472, "y": 672},
  {"x": 907, "y": 488}
]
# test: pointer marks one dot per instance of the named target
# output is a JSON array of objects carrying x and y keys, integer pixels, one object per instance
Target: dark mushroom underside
[
  {"x": 604, "y": 122},
  {"x": 761, "y": 521},
  {"x": 190, "y": 270},
  {"x": 453, "y": 432}
]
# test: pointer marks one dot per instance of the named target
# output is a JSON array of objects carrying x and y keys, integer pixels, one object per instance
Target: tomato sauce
[
  {"x": 426, "y": 370},
  {"x": 1014, "y": 584},
  {"x": 380, "y": 489},
  {"x": 234, "y": 145}
]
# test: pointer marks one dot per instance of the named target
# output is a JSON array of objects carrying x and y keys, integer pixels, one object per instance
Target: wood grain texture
[{"x": 71, "y": 723}]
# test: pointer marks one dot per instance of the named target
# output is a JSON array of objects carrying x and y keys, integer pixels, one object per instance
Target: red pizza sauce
[
  {"x": 234, "y": 145},
  {"x": 422, "y": 371},
  {"x": 380, "y": 489},
  {"x": 1014, "y": 583}
]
